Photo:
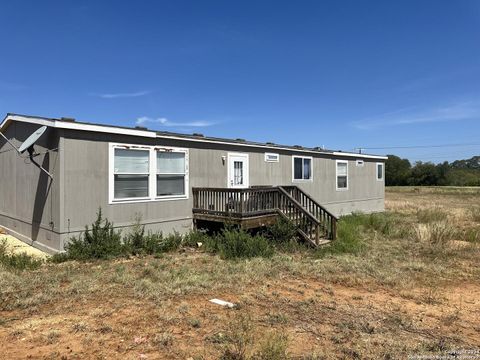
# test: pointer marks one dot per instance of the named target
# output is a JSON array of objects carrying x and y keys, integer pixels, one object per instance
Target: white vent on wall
[
  {"x": 272, "y": 157},
  {"x": 359, "y": 163}
]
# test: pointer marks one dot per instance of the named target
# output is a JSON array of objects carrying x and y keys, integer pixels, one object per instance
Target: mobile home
[{"x": 171, "y": 180}]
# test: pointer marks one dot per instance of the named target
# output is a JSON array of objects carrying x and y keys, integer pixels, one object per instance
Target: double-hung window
[
  {"x": 380, "y": 171},
  {"x": 131, "y": 173},
  {"x": 302, "y": 168},
  {"x": 170, "y": 173},
  {"x": 342, "y": 175},
  {"x": 147, "y": 173}
]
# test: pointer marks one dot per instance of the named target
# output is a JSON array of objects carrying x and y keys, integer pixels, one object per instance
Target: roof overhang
[
  {"x": 73, "y": 125},
  {"x": 61, "y": 124}
]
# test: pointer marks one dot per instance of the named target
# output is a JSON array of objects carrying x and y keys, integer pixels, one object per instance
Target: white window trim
[
  {"x": 383, "y": 171},
  {"x": 293, "y": 169},
  {"x": 267, "y": 154},
  {"x": 152, "y": 182},
  {"x": 336, "y": 175}
]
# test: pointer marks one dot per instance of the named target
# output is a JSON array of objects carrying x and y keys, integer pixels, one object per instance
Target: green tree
[
  {"x": 397, "y": 171},
  {"x": 424, "y": 174}
]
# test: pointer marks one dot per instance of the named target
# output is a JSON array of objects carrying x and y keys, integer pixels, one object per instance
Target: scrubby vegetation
[
  {"x": 393, "y": 285},
  {"x": 17, "y": 262},
  {"x": 238, "y": 243},
  {"x": 102, "y": 241}
]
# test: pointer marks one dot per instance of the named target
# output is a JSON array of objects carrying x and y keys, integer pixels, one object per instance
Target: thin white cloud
[
  {"x": 123, "y": 95},
  {"x": 165, "y": 122},
  {"x": 455, "y": 112}
]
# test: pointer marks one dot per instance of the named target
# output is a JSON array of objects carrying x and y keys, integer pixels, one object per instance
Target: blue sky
[{"x": 343, "y": 74}]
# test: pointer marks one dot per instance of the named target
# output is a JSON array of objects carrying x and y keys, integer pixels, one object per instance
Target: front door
[{"x": 237, "y": 171}]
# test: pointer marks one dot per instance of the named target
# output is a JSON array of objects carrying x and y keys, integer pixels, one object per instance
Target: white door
[{"x": 237, "y": 171}]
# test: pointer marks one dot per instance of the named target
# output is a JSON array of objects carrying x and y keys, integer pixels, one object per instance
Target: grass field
[{"x": 409, "y": 286}]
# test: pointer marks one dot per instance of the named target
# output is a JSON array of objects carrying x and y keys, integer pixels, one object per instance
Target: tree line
[{"x": 400, "y": 172}]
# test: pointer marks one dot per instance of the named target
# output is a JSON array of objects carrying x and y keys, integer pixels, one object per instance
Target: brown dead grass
[{"x": 401, "y": 296}]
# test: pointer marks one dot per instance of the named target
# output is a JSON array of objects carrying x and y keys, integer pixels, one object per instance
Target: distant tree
[
  {"x": 397, "y": 171},
  {"x": 463, "y": 177},
  {"x": 443, "y": 170},
  {"x": 424, "y": 174},
  {"x": 472, "y": 163}
]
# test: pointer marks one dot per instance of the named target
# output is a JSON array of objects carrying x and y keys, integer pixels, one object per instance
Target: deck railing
[
  {"x": 311, "y": 219},
  {"x": 234, "y": 202}
]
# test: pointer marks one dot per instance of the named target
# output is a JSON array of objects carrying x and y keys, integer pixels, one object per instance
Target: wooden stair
[{"x": 314, "y": 223}]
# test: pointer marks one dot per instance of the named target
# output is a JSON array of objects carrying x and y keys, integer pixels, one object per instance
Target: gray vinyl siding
[
  {"x": 29, "y": 202},
  {"x": 81, "y": 180},
  {"x": 86, "y": 181}
]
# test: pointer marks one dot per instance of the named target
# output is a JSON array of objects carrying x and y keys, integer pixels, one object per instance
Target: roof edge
[{"x": 82, "y": 126}]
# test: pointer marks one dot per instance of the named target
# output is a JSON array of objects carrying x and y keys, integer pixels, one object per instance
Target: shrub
[
  {"x": 282, "y": 231},
  {"x": 274, "y": 347},
  {"x": 233, "y": 244},
  {"x": 472, "y": 235},
  {"x": 438, "y": 233},
  {"x": 381, "y": 222},
  {"x": 349, "y": 239},
  {"x": 152, "y": 242},
  {"x": 135, "y": 241},
  {"x": 99, "y": 242},
  {"x": 239, "y": 338},
  {"x": 194, "y": 237},
  {"x": 171, "y": 242},
  {"x": 434, "y": 239},
  {"x": 18, "y": 262}
]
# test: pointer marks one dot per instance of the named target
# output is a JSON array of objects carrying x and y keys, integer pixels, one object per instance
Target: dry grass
[{"x": 412, "y": 289}]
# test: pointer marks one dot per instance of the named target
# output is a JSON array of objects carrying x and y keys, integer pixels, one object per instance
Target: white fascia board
[
  {"x": 361, "y": 156},
  {"x": 59, "y": 124}
]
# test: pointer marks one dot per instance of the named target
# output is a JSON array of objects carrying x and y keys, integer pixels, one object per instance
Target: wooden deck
[{"x": 256, "y": 207}]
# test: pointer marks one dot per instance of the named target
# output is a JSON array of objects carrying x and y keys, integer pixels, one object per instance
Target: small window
[
  {"x": 380, "y": 171},
  {"x": 272, "y": 157},
  {"x": 342, "y": 175},
  {"x": 302, "y": 168},
  {"x": 170, "y": 173},
  {"x": 131, "y": 173},
  {"x": 360, "y": 163}
]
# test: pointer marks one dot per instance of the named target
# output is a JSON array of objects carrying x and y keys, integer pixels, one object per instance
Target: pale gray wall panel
[
  {"x": 28, "y": 199},
  {"x": 86, "y": 180}
]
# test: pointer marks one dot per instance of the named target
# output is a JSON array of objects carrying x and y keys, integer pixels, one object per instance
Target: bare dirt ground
[{"x": 393, "y": 300}]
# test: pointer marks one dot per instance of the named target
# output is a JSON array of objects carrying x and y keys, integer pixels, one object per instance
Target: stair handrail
[
  {"x": 310, "y": 198},
  {"x": 298, "y": 205}
]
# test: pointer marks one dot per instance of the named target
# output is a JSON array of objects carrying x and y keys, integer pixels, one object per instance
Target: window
[
  {"x": 170, "y": 173},
  {"x": 380, "y": 171},
  {"x": 131, "y": 173},
  {"x": 237, "y": 173},
  {"x": 302, "y": 168},
  {"x": 272, "y": 157},
  {"x": 342, "y": 175},
  {"x": 359, "y": 163},
  {"x": 147, "y": 173}
]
